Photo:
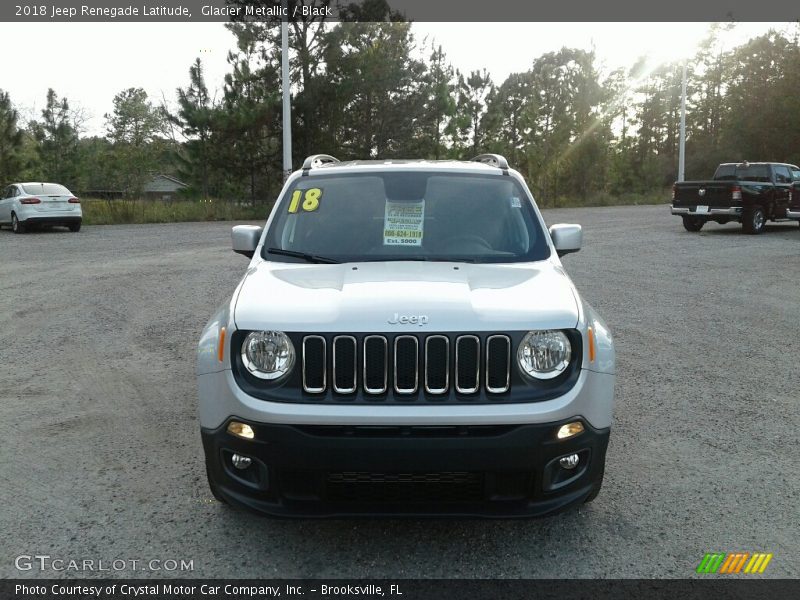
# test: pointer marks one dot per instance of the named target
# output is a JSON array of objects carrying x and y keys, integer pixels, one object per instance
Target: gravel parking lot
[{"x": 101, "y": 453}]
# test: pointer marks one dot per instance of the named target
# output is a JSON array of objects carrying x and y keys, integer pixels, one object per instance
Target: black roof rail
[
  {"x": 317, "y": 160},
  {"x": 494, "y": 160}
]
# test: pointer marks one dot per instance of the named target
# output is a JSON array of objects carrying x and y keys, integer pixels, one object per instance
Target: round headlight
[
  {"x": 544, "y": 354},
  {"x": 268, "y": 354}
]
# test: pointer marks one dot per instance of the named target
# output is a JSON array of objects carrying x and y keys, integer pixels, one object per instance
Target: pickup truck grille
[{"x": 406, "y": 364}]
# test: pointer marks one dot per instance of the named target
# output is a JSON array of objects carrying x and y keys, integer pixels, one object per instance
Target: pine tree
[
  {"x": 134, "y": 128},
  {"x": 10, "y": 141},
  {"x": 57, "y": 142}
]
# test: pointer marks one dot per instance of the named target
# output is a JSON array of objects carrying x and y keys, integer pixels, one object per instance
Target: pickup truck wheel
[
  {"x": 693, "y": 223},
  {"x": 754, "y": 221}
]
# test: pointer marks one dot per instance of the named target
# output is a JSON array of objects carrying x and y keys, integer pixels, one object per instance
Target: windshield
[
  {"x": 405, "y": 216},
  {"x": 743, "y": 173},
  {"x": 46, "y": 189}
]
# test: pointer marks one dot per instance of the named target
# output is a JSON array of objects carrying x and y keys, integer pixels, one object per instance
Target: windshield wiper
[
  {"x": 418, "y": 259},
  {"x": 306, "y": 257}
]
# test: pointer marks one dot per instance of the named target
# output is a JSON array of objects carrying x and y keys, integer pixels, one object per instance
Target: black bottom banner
[{"x": 399, "y": 589}]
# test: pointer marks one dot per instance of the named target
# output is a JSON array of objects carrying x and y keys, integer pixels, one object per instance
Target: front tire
[
  {"x": 753, "y": 221},
  {"x": 597, "y": 485},
  {"x": 213, "y": 487},
  {"x": 16, "y": 225},
  {"x": 75, "y": 227},
  {"x": 693, "y": 223}
]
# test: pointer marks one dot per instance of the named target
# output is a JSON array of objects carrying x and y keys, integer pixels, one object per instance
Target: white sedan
[{"x": 27, "y": 205}]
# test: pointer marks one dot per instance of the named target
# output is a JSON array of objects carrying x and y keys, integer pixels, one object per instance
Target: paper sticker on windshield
[
  {"x": 308, "y": 200},
  {"x": 515, "y": 202},
  {"x": 403, "y": 223}
]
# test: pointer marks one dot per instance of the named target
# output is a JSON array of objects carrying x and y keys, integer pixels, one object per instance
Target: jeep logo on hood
[{"x": 399, "y": 319}]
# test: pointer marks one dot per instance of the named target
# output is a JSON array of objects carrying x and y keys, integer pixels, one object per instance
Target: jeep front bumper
[{"x": 336, "y": 471}]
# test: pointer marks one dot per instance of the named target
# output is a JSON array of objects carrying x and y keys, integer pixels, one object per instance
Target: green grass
[
  {"x": 606, "y": 199},
  {"x": 119, "y": 212}
]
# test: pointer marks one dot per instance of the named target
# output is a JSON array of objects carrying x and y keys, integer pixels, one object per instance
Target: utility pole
[
  {"x": 682, "y": 148},
  {"x": 287, "y": 107}
]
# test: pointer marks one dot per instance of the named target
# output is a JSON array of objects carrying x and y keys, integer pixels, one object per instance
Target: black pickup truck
[{"x": 750, "y": 193}]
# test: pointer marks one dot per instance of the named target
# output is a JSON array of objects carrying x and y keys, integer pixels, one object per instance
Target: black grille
[
  {"x": 437, "y": 364},
  {"x": 446, "y": 364},
  {"x": 468, "y": 358},
  {"x": 376, "y": 355},
  {"x": 405, "y": 365},
  {"x": 314, "y": 363},
  {"x": 498, "y": 356},
  {"x": 405, "y": 488},
  {"x": 406, "y": 431},
  {"x": 344, "y": 364}
]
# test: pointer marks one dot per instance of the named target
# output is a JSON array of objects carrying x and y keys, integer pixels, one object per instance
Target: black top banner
[{"x": 414, "y": 10}]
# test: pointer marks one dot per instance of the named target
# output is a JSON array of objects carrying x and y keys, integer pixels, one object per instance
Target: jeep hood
[{"x": 361, "y": 297}]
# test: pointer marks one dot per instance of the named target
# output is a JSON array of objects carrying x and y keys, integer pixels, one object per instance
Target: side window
[
  {"x": 795, "y": 174},
  {"x": 782, "y": 174}
]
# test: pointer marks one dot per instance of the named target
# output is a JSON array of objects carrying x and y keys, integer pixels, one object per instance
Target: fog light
[
  {"x": 568, "y": 462},
  {"x": 242, "y": 462},
  {"x": 242, "y": 430},
  {"x": 569, "y": 430}
]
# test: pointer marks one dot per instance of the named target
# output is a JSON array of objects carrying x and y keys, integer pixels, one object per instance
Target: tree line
[{"x": 368, "y": 88}]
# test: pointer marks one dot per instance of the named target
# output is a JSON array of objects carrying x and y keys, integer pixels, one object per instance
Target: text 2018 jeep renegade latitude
[{"x": 405, "y": 341}]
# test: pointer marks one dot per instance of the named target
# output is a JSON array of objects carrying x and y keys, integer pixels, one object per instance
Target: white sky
[{"x": 89, "y": 63}]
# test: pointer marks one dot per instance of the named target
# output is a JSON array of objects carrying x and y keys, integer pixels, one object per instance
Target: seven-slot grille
[{"x": 406, "y": 364}]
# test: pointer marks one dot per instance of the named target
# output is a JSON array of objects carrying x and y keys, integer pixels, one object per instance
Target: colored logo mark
[{"x": 734, "y": 562}]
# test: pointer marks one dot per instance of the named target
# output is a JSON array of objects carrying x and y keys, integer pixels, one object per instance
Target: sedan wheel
[{"x": 16, "y": 226}]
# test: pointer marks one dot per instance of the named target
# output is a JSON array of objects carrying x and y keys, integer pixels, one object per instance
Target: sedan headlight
[
  {"x": 268, "y": 354},
  {"x": 544, "y": 354}
]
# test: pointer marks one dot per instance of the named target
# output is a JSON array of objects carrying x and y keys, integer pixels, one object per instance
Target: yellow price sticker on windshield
[{"x": 310, "y": 198}]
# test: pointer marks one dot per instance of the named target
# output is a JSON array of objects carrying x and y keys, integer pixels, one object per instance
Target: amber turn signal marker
[
  {"x": 221, "y": 348},
  {"x": 242, "y": 430},
  {"x": 569, "y": 430},
  {"x": 591, "y": 344}
]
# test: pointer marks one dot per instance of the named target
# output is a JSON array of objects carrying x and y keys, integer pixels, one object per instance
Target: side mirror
[
  {"x": 244, "y": 239},
  {"x": 567, "y": 238}
]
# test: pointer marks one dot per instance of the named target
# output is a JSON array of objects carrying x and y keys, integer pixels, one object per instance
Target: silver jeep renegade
[{"x": 405, "y": 341}]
